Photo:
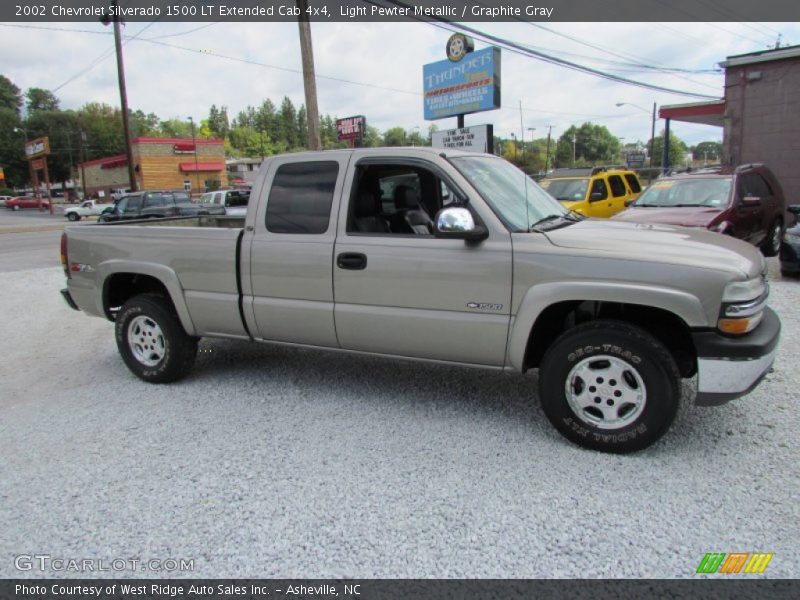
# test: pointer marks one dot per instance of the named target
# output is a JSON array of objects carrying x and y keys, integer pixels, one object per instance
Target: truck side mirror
[
  {"x": 595, "y": 196},
  {"x": 457, "y": 223}
]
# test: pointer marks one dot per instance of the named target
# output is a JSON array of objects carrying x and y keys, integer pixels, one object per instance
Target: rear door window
[
  {"x": 301, "y": 196},
  {"x": 633, "y": 182},
  {"x": 617, "y": 186}
]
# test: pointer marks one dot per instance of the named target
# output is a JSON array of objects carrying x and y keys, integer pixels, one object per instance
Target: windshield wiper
[{"x": 547, "y": 219}]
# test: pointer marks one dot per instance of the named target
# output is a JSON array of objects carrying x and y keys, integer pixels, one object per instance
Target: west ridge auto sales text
[{"x": 178, "y": 590}]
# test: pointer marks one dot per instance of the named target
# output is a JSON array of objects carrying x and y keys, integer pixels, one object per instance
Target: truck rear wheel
[
  {"x": 73, "y": 216},
  {"x": 609, "y": 386},
  {"x": 152, "y": 340}
]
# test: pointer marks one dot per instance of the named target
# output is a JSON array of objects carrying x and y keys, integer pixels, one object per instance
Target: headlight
[{"x": 743, "y": 304}]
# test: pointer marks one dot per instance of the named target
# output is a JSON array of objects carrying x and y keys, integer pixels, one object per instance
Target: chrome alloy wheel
[
  {"x": 605, "y": 392},
  {"x": 146, "y": 341}
]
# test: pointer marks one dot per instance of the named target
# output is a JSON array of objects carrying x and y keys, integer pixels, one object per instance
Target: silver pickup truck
[{"x": 442, "y": 256}]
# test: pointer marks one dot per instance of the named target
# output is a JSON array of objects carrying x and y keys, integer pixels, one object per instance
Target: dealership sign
[
  {"x": 455, "y": 88},
  {"x": 351, "y": 128},
  {"x": 38, "y": 147},
  {"x": 478, "y": 138},
  {"x": 635, "y": 159}
]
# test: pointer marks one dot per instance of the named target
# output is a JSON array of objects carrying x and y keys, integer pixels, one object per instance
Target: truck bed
[{"x": 218, "y": 221}]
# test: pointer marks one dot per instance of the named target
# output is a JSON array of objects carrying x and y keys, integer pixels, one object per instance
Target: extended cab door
[
  {"x": 289, "y": 245},
  {"x": 401, "y": 291}
]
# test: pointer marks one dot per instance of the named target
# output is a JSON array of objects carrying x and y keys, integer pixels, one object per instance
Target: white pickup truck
[
  {"x": 87, "y": 208},
  {"x": 450, "y": 257}
]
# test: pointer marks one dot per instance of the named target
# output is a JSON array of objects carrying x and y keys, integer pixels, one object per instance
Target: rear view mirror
[{"x": 458, "y": 223}]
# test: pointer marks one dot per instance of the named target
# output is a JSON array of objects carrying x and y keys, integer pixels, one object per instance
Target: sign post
[{"x": 36, "y": 152}]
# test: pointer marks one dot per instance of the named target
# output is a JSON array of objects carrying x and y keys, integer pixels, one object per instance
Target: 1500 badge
[{"x": 484, "y": 306}]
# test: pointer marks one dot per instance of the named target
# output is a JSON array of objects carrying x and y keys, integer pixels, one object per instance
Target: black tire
[
  {"x": 772, "y": 243},
  {"x": 171, "y": 354},
  {"x": 642, "y": 360},
  {"x": 73, "y": 216}
]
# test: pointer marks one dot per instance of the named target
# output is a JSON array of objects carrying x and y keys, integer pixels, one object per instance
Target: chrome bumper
[{"x": 728, "y": 368}]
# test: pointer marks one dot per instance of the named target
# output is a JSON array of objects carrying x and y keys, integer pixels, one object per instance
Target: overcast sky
[{"x": 384, "y": 63}]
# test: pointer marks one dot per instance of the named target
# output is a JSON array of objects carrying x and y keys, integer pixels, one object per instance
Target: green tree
[
  {"x": 218, "y": 121},
  {"x": 12, "y": 156},
  {"x": 40, "y": 99},
  {"x": 711, "y": 151},
  {"x": 9, "y": 95},
  {"x": 287, "y": 125},
  {"x": 372, "y": 137},
  {"x": 103, "y": 126},
  {"x": 396, "y": 136},
  {"x": 143, "y": 125},
  {"x": 175, "y": 128},
  {"x": 677, "y": 150},
  {"x": 593, "y": 144}
]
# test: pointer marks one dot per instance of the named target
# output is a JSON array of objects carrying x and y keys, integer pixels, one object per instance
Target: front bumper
[{"x": 728, "y": 367}]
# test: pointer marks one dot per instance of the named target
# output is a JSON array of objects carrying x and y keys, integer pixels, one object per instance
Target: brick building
[
  {"x": 160, "y": 163},
  {"x": 762, "y": 113},
  {"x": 759, "y": 115}
]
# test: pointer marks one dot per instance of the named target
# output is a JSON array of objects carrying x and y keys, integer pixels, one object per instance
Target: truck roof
[{"x": 388, "y": 150}]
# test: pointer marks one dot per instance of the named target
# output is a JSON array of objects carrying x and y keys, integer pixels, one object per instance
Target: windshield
[
  {"x": 566, "y": 189},
  {"x": 711, "y": 192},
  {"x": 515, "y": 198}
]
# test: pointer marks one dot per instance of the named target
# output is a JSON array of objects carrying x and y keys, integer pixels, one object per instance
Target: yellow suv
[{"x": 595, "y": 191}]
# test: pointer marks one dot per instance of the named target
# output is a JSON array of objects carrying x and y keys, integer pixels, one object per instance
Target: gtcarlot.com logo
[
  {"x": 736, "y": 562},
  {"x": 46, "y": 562}
]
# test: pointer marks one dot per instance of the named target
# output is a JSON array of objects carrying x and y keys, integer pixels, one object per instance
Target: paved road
[
  {"x": 271, "y": 461},
  {"x": 20, "y": 251}
]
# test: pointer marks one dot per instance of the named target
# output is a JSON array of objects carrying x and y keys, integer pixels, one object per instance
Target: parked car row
[
  {"x": 745, "y": 202},
  {"x": 156, "y": 204}
]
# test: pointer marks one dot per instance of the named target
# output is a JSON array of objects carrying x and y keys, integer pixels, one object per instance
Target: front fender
[
  {"x": 162, "y": 273},
  {"x": 539, "y": 297}
]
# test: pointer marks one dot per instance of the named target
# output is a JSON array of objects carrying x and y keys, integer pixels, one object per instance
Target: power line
[{"x": 519, "y": 49}]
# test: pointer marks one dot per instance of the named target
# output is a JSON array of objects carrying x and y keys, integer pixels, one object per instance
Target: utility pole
[
  {"x": 574, "y": 141},
  {"x": 196, "y": 166},
  {"x": 123, "y": 94},
  {"x": 652, "y": 134},
  {"x": 309, "y": 79},
  {"x": 521, "y": 133}
]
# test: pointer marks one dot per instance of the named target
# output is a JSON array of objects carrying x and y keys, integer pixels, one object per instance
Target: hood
[
  {"x": 661, "y": 243},
  {"x": 686, "y": 216}
]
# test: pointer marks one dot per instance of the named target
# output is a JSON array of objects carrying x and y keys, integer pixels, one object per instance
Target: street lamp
[
  {"x": 196, "y": 168},
  {"x": 652, "y": 125},
  {"x": 412, "y": 134}
]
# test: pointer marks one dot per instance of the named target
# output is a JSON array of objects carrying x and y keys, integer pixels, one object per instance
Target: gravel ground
[{"x": 292, "y": 463}]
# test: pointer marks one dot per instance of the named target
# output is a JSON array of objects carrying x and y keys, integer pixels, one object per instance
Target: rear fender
[{"x": 162, "y": 273}]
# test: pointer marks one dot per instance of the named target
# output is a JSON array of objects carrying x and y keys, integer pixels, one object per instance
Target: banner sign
[
  {"x": 468, "y": 86},
  {"x": 351, "y": 128},
  {"x": 38, "y": 147},
  {"x": 635, "y": 159},
  {"x": 478, "y": 138}
]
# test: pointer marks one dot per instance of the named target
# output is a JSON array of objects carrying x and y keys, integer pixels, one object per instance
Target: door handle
[{"x": 354, "y": 261}]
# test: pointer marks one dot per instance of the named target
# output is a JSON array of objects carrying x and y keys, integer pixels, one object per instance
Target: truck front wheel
[
  {"x": 609, "y": 386},
  {"x": 152, "y": 340}
]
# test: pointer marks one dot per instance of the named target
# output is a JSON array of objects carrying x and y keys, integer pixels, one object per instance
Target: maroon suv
[{"x": 745, "y": 202}]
